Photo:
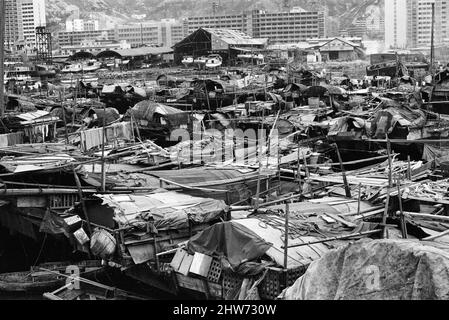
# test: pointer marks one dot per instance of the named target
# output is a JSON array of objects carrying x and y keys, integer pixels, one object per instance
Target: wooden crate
[
  {"x": 269, "y": 289},
  {"x": 63, "y": 201}
]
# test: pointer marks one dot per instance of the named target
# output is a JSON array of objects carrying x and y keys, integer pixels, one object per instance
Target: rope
[{"x": 40, "y": 251}]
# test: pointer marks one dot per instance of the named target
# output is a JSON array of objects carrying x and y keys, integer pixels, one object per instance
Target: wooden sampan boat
[{"x": 47, "y": 276}]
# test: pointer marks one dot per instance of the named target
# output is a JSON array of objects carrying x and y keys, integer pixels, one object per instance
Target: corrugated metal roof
[
  {"x": 202, "y": 176},
  {"x": 36, "y": 163},
  {"x": 297, "y": 256},
  {"x": 235, "y": 37},
  {"x": 33, "y": 115}
]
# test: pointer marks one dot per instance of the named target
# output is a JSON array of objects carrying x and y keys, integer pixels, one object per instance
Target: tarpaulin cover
[
  {"x": 110, "y": 115},
  {"x": 377, "y": 270},
  {"x": 145, "y": 110},
  {"x": 408, "y": 117},
  {"x": 52, "y": 224},
  {"x": 167, "y": 209},
  {"x": 386, "y": 119},
  {"x": 196, "y": 176},
  {"x": 233, "y": 241},
  {"x": 438, "y": 153},
  {"x": 316, "y": 91}
]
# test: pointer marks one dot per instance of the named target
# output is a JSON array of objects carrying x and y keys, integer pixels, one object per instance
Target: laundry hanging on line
[
  {"x": 11, "y": 139},
  {"x": 94, "y": 137}
]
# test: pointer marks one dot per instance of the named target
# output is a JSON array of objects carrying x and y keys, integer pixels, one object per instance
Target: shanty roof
[
  {"x": 249, "y": 239},
  {"x": 235, "y": 37},
  {"x": 169, "y": 209},
  {"x": 36, "y": 163},
  {"x": 33, "y": 115},
  {"x": 342, "y": 40},
  {"x": 147, "y": 108},
  {"x": 228, "y": 37},
  {"x": 296, "y": 256}
]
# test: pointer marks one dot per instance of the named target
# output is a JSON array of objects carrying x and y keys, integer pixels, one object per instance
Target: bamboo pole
[
  {"x": 439, "y": 235},
  {"x": 387, "y": 204},
  {"x": 403, "y": 223},
  {"x": 267, "y": 204},
  {"x": 345, "y": 163},
  {"x": 409, "y": 168},
  {"x": 390, "y": 165},
  {"x": 366, "y": 233},
  {"x": 74, "y": 103},
  {"x": 362, "y": 212},
  {"x": 190, "y": 187},
  {"x": 367, "y": 214},
  {"x": 260, "y": 165},
  {"x": 40, "y": 191},
  {"x": 65, "y": 120},
  {"x": 359, "y": 198},
  {"x": 83, "y": 203},
  {"x": 287, "y": 213},
  {"x": 299, "y": 168},
  {"x": 343, "y": 172},
  {"x": 103, "y": 160},
  {"x": 426, "y": 216}
]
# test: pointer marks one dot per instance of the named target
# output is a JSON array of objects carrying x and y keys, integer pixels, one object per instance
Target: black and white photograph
[{"x": 224, "y": 156}]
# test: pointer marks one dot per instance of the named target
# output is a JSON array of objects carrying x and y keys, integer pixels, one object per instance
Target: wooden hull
[
  {"x": 90, "y": 290},
  {"x": 45, "y": 277},
  {"x": 14, "y": 282},
  {"x": 213, "y": 65},
  {"x": 389, "y": 71}
]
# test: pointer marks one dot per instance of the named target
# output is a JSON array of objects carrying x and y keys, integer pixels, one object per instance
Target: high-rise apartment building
[
  {"x": 172, "y": 31},
  {"x": 279, "y": 27},
  {"x": 31, "y": 16},
  {"x": 408, "y": 23},
  {"x": 396, "y": 23},
  {"x": 81, "y": 25},
  {"x": 75, "y": 38},
  {"x": 424, "y": 22},
  {"x": 11, "y": 24},
  {"x": 166, "y": 32},
  {"x": 240, "y": 22},
  {"x": 139, "y": 34},
  {"x": 288, "y": 27},
  {"x": 22, "y": 17}
]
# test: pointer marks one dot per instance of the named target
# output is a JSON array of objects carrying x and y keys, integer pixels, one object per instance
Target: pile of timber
[
  {"x": 144, "y": 152},
  {"x": 428, "y": 191},
  {"x": 377, "y": 175}
]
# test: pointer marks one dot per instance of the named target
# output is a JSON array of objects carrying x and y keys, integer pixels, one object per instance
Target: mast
[{"x": 2, "y": 57}]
